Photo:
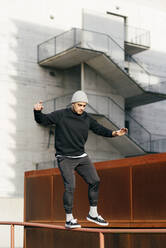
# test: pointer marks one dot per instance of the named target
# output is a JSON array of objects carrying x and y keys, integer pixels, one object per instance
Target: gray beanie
[{"x": 79, "y": 96}]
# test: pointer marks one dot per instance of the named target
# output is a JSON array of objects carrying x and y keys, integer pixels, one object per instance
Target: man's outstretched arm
[
  {"x": 103, "y": 131},
  {"x": 43, "y": 119}
]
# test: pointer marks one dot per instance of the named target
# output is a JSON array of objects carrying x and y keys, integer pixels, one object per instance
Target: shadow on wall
[{"x": 24, "y": 83}]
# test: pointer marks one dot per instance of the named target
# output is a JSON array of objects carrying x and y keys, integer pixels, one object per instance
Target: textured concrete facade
[{"x": 24, "y": 25}]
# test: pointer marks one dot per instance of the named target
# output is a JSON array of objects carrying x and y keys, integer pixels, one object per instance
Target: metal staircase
[{"x": 105, "y": 56}]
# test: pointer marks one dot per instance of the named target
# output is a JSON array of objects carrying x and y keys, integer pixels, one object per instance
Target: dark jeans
[{"x": 85, "y": 168}]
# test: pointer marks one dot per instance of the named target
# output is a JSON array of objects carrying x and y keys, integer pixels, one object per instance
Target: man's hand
[
  {"x": 120, "y": 132},
  {"x": 38, "y": 106}
]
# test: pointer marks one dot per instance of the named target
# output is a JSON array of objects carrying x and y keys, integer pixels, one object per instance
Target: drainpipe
[{"x": 82, "y": 77}]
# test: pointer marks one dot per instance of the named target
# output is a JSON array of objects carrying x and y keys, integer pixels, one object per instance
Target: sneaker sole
[
  {"x": 101, "y": 224},
  {"x": 71, "y": 227}
]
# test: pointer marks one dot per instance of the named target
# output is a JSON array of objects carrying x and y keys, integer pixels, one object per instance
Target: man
[{"x": 71, "y": 133}]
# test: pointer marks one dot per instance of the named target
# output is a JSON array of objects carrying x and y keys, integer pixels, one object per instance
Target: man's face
[{"x": 79, "y": 107}]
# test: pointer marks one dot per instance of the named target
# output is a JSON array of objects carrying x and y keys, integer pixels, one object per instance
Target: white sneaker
[
  {"x": 72, "y": 224},
  {"x": 98, "y": 220}
]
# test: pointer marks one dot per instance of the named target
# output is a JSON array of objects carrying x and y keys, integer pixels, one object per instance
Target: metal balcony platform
[
  {"x": 69, "y": 58},
  {"x": 132, "y": 48},
  {"x": 145, "y": 98},
  {"x": 119, "y": 80}
]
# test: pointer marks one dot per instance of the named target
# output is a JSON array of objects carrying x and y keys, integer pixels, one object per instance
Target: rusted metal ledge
[
  {"x": 98, "y": 230},
  {"x": 101, "y": 231}
]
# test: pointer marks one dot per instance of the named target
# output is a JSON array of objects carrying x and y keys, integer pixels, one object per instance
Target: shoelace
[
  {"x": 74, "y": 221},
  {"x": 99, "y": 217}
]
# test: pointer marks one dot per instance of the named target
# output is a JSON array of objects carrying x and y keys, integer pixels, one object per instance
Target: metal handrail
[
  {"x": 158, "y": 143},
  {"x": 76, "y": 39},
  {"x": 50, "y": 226},
  {"x": 117, "y": 44},
  {"x": 138, "y": 32},
  {"x": 117, "y": 127},
  {"x": 95, "y": 32},
  {"x": 100, "y": 231}
]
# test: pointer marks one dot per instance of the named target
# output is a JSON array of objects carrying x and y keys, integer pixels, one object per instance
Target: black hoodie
[{"x": 71, "y": 131}]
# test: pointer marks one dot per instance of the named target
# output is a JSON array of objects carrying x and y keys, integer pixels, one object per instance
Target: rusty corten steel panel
[
  {"x": 38, "y": 237},
  {"x": 148, "y": 240},
  {"x": 46, "y": 238},
  {"x": 114, "y": 195},
  {"x": 58, "y": 188},
  {"x": 38, "y": 198},
  {"x": 149, "y": 192},
  {"x": 117, "y": 240}
]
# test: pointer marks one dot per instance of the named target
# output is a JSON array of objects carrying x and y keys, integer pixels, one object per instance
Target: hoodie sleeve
[
  {"x": 47, "y": 119},
  {"x": 99, "y": 129}
]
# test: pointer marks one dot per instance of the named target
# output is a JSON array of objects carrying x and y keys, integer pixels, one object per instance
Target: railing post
[
  {"x": 54, "y": 104},
  {"x": 101, "y": 239},
  {"x": 36, "y": 166},
  {"x": 108, "y": 105},
  {"x": 12, "y": 235},
  {"x": 151, "y": 142},
  {"x": 108, "y": 42},
  {"x": 74, "y": 37},
  {"x": 38, "y": 53},
  {"x": 55, "y": 46}
]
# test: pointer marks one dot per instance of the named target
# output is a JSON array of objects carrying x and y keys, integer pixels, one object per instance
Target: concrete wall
[
  {"x": 112, "y": 42},
  {"x": 24, "y": 25}
]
